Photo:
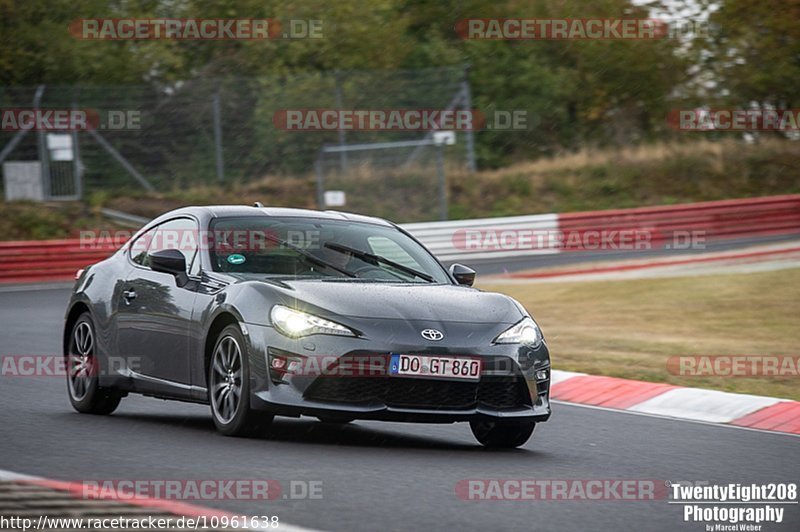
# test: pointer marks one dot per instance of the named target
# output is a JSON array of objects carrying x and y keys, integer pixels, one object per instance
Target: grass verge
[
  {"x": 588, "y": 180},
  {"x": 630, "y": 328},
  {"x": 26, "y": 220}
]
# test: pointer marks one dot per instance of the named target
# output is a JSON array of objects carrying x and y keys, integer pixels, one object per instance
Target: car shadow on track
[{"x": 309, "y": 431}]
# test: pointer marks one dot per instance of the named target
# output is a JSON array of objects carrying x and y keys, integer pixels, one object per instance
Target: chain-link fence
[{"x": 207, "y": 131}]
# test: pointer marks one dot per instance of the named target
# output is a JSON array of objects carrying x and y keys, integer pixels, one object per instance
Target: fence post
[
  {"x": 41, "y": 145},
  {"x": 116, "y": 155},
  {"x": 218, "y": 138},
  {"x": 8, "y": 148},
  {"x": 77, "y": 165},
  {"x": 320, "y": 181},
  {"x": 342, "y": 134},
  {"x": 470, "y": 134},
  {"x": 442, "y": 181}
]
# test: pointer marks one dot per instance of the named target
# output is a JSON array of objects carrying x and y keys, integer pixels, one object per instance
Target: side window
[
  {"x": 138, "y": 249},
  {"x": 180, "y": 234}
]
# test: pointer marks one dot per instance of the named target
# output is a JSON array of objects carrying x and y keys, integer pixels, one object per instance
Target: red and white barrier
[
  {"x": 497, "y": 238},
  {"x": 660, "y": 227},
  {"x": 713, "y": 219},
  {"x": 47, "y": 260}
]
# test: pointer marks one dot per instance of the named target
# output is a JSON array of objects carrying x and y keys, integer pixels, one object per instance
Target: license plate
[{"x": 435, "y": 366}]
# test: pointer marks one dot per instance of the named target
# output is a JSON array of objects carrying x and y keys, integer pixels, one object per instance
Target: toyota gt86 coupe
[{"x": 261, "y": 312}]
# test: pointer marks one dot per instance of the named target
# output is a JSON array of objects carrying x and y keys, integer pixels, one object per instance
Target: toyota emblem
[{"x": 432, "y": 335}]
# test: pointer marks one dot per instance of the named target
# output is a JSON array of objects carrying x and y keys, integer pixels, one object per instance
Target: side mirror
[
  {"x": 462, "y": 274},
  {"x": 169, "y": 261}
]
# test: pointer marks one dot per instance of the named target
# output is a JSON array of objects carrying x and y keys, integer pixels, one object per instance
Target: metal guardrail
[
  {"x": 453, "y": 240},
  {"x": 124, "y": 218},
  {"x": 666, "y": 226},
  {"x": 448, "y": 240}
]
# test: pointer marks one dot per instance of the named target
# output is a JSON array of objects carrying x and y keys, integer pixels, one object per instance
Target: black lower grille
[
  {"x": 431, "y": 394},
  {"x": 347, "y": 390},
  {"x": 503, "y": 393}
]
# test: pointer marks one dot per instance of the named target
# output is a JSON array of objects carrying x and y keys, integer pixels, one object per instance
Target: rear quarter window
[{"x": 138, "y": 248}]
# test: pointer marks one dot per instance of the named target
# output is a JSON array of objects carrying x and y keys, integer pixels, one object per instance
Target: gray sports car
[{"x": 271, "y": 311}]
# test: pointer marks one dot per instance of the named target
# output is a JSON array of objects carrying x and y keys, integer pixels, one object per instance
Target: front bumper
[{"x": 514, "y": 382}]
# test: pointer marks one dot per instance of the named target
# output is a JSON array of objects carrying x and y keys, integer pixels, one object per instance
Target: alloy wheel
[
  {"x": 226, "y": 379},
  {"x": 81, "y": 361}
]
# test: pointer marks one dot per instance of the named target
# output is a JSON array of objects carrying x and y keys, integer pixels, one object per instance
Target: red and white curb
[
  {"x": 177, "y": 508},
  {"x": 666, "y": 400}
]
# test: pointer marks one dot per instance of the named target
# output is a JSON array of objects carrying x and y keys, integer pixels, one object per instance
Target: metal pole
[
  {"x": 320, "y": 182},
  {"x": 44, "y": 157},
  {"x": 218, "y": 138},
  {"x": 77, "y": 166},
  {"x": 377, "y": 145},
  {"x": 457, "y": 101},
  {"x": 12, "y": 144},
  {"x": 76, "y": 155},
  {"x": 342, "y": 134},
  {"x": 116, "y": 155},
  {"x": 442, "y": 182},
  {"x": 470, "y": 133}
]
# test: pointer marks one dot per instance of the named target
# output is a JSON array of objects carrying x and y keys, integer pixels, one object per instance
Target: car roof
[{"x": 225, "y": 211}]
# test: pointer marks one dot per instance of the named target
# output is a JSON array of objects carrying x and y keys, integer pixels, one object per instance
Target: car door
[{"x": 154, "y": 316}]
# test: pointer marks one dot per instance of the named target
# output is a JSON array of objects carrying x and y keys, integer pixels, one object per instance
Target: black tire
[
  {"x": 502, "y": 434},
  {"x": 83, "y": 367},
  {"x": 228, "y": 375}
]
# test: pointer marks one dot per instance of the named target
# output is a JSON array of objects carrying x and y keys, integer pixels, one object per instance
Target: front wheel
[
  {"x": 83, "y": 368},
  {"x": 229, "y": 387},
  {"x": 502, "y": 434}
]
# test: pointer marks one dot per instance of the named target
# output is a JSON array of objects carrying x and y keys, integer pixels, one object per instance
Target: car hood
[{"x": 440, "y": 303}]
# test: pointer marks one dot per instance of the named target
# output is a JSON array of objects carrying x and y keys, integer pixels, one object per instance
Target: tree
[{"x": 754, "y": 51}]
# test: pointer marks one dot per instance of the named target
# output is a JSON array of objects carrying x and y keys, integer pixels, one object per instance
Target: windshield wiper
[
  {"x": 308, "y": 256},
  {"x": 375, "y": 259}
]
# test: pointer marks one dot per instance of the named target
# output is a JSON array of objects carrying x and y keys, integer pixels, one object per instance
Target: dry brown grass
[
  {"x": 630, "y": 328},
  {"x": 591, "y": 179},
  {"x": 624, "y": 155}
]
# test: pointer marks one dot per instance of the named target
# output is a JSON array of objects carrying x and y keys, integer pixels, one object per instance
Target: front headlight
[
  {"x": 294, "y": 323},
  {"x": 525, "y": 332}
]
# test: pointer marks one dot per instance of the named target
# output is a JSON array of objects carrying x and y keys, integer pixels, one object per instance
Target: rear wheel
[
  {"x": 83, "y": 368},
  {"x": 502, "y": 434},
  {"x": 229, "y": 387}
]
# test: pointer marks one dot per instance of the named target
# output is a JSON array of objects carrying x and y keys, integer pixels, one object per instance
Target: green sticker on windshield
[{"x": 236, "y": 258}]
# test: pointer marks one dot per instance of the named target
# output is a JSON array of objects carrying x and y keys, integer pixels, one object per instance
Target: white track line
[
  {"x": 679, "y": 419},
  {"x": 57, "y": 285}
]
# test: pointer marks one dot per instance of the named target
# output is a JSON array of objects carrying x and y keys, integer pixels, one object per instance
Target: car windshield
[{"x": 313, "y": 248}]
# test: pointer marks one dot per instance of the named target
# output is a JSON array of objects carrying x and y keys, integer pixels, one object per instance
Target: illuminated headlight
[
  {"x": 526, "y": 332},
  {"x": 295, "y": 324}
]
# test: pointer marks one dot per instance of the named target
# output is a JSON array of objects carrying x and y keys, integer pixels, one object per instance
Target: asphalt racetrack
[
  {"x": 498, "y": 266},
  {"x": 373, "y": 475}
]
